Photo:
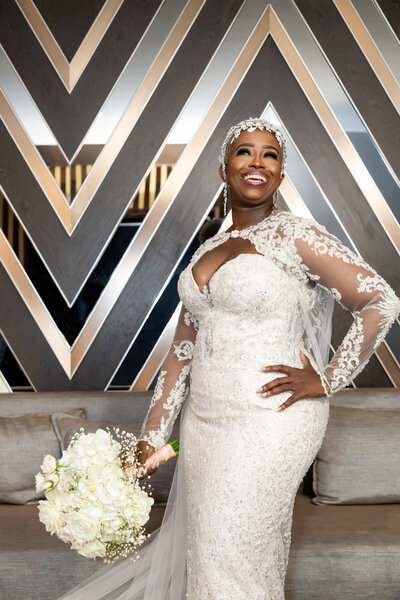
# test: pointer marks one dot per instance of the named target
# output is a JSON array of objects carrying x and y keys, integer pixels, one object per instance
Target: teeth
[{"x": 255, "y": 176}]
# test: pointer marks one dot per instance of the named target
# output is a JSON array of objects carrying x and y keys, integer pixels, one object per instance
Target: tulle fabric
[{"x": 160, "y": 571}]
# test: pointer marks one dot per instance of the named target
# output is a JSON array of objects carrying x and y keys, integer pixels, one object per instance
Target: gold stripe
[
  {"x": 5, "y": 388},
  {"x": 389, "y": 363},
  {"x": 35, "y": 304},
  {"x": 35, "y": 163},
  {"x": 370, "y": 50},
  {"x": 147, "y": 373},
  {"x": 338, "y": 136},
  {"x": 69, "y": 73}
]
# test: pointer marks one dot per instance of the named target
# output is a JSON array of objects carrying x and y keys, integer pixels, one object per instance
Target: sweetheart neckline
[{"x": 207, "y": 285}]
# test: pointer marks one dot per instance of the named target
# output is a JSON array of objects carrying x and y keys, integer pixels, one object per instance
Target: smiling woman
[{"x": 249, "y": 367}]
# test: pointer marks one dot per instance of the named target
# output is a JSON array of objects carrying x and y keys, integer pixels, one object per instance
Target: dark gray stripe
[{"x": 391, "y": 10}]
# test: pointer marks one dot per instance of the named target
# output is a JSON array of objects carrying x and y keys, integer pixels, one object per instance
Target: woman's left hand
[{"x": 304, "y": 383}]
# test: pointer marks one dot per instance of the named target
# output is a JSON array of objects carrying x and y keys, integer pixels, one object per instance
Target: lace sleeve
[
  {"x": 172, "y": 384},
  {"x": 359, "y": 289}
]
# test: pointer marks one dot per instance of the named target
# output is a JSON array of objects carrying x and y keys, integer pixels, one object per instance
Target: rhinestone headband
[{"x": 252, "y": 124}]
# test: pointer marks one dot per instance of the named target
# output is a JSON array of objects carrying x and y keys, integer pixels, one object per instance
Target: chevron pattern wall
[{"x": 113, "y": 112}]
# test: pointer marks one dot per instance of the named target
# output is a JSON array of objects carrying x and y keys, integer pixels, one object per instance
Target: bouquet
[{"x": 90, "y": 502}]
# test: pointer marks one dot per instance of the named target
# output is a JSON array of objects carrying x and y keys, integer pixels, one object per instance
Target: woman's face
[{"x": 253, "y": 168}]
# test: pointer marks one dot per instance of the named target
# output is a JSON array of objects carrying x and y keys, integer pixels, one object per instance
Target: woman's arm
[
  {"x": 359, "y": 289},
  {"x": 172, "y": 384}
]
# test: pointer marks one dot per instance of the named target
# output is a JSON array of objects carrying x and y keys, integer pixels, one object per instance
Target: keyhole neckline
[{"x": 255, "y": 225}]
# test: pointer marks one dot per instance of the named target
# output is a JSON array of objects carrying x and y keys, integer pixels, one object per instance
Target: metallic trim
[
  {"x": 35, "y": 162},
  {"x": 370, "y": 50},
  {"x": 156, "y": 357},
  {"x": 35, "y": 304},
  {"x": 69, "y": 72},
  {"x": 389, "y": 363},
  {"x": 334, "y": 129},
  {"x": 4, "y": 385}
]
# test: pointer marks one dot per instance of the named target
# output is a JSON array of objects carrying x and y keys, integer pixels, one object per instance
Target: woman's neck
[{"x": 245, "y": 217}]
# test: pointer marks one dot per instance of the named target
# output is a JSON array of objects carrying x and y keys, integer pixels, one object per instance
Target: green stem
[{"x": 175, "y": 446}]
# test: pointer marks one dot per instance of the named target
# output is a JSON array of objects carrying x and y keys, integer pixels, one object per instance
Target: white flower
[
  {"x": 58, "y": 499},
  {"x": 49, "y": 464},
  {"x": 92, "y": 549},
  {"x": 84, "y": 525},
  {"x": 110, "y": 527},
  {"x": 141, "y": 504},
  {"x": 42, "y": 484},
  {"x": 50, "y": 516},
  {"x": 53, "y": 478}
]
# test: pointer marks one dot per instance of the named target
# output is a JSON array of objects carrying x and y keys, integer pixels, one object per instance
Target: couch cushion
[
  {"x": 37, "y": 566},
  {"x": 65, "y": 426},
  {"x": 24, "y": 441},
  {"x": 347, "y": 552},
  {"x": 359, "y": 460}
]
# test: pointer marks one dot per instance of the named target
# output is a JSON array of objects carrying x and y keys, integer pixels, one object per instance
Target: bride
[{"x": 249, "y": 371}]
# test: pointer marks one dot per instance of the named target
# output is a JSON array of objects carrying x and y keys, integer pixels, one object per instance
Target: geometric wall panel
[{"x": 317, "y": 69}]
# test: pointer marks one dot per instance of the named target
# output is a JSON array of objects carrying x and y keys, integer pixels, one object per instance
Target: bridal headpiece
[{"x": 251, "y": 124}]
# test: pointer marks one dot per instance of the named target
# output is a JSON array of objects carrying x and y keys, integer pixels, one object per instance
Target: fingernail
[
  {"x": 266, "y": 394},
  {"x": 259, "y": 391}
]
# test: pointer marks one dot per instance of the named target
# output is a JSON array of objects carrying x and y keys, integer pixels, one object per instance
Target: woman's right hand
[{"x": 144, "y": 452}]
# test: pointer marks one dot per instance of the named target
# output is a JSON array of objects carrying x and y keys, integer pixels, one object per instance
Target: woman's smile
[{"x": 254, "y": 177}]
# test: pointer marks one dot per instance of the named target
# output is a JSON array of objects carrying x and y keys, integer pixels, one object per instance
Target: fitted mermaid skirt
[{"x": 244, "y": 462}]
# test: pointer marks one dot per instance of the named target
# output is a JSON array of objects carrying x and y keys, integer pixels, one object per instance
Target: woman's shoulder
[{"x": 300, "y": 222}]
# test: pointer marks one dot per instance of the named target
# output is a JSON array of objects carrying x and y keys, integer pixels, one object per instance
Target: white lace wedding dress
[{"x": 242, "y": 460}]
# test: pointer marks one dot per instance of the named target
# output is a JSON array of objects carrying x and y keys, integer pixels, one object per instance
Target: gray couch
[{"x": 338, "y": 552}]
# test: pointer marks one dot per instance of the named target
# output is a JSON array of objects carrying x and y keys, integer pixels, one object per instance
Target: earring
[
  {"x": 225, "y": 197},
  {"x": 275, "y": 199}
]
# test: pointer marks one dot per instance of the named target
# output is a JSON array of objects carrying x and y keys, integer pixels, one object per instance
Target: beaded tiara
[{"x": 251, "y": 124}]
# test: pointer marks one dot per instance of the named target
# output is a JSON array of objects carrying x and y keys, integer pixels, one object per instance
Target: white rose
[
  {"x": 49, "y": 464},
  {"x": 53, "y": 478},
  {"x": 92, "y": 549},
  {"x": 84, "y": 525},
  {"x": 50, "y": 516},
  {"x": 58, "y": 499},
  {"x": 42, "y": 484}
]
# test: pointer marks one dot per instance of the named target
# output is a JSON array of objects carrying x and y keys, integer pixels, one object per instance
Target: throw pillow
[
  {"x": 24, "y": 441},
  {"x": 359, "y": 460}
]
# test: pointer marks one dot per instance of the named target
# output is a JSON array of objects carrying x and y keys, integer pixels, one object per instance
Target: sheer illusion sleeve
[
  {"x": 172, "y": 384},
  {"x": 359, "y": 289}
]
